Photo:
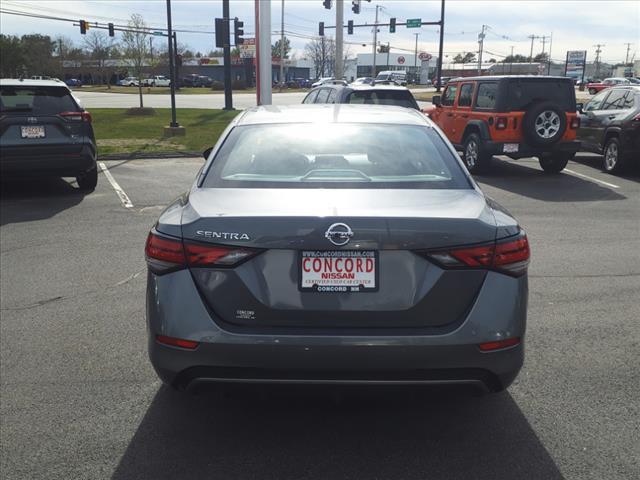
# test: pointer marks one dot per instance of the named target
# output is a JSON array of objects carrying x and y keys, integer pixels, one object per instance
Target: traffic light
[
  {"x": 238, "y": 32},
  {"x": 392, "y": 25},
  {"x": 221, "y": 29},
  {"x": 321, "y": 29},
  {"x": 112, "y": 30},
  {"x": 327, "y": 4},
  {"x": 84, "y": 26},
  {"x": 350, "y": 27},
  {"x": 355, "y": 6}
]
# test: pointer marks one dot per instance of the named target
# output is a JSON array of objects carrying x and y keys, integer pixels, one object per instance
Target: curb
[{"x": 146, "y": 156}]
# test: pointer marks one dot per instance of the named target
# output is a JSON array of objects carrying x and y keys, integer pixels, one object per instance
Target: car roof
[
  {"x": 16, "y": 82},
  {"x": 378, "y": 87},
  {"x": 505, "y": 77},
  {"x": 332, "y": 113}
]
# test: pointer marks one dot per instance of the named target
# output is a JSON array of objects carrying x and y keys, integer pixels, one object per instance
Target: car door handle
[
  {"x": 465, "y": 115},
  {"x": 449, "y": 114},
  {"x": 611, "y": 117}
]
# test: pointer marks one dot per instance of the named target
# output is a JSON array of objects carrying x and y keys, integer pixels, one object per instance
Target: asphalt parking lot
[{"x": 80, "y": 399}]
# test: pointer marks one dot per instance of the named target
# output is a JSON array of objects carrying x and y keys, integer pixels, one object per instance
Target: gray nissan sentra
[{"x": 336, "y": 244}]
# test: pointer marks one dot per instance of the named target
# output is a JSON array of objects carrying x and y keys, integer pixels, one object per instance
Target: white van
[{"x": 398, "y": 76}]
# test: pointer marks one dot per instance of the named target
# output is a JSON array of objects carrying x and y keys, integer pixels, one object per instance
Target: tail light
[
  {"x": 575, "y": 123},
  {"x": 510, "y": 256},
  {"x": 636, "y": 118},
  {"x": 177, "y": 342},
  {"x": 76, "y": 116},
  {"x": 167, "y": 254},
  {"x": 501, "y": 123}
]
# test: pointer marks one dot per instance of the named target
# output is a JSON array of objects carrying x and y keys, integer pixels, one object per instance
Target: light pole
[
  {"x": 174, "y": 126},
  {"x": 415, "y": 59}
]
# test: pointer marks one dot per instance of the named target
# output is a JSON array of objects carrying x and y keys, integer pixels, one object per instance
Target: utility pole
[
  {"x": 264, "y": 26},
  {"x": 151, "y": 47},
  {"x": 226, "y": 52},
  {"x": 339, "y": 33},
  {"x": 388, "y": 50},
  {"x": 415, "y": 55},
  {"x": 511, "y": 62},
  {"x": 375, "y": 43},
  {"x": 597, "y": 61},
  {"x": 480, "y": 47},
  {"x": 549, "y": 63},
  {"x": 282, "y": 46},
  {"x": 626, "y": 58},
  {"x": 440, "y": 48},
  {"x": 532, "y": 37},
  {"x": 174, "y": 125}
]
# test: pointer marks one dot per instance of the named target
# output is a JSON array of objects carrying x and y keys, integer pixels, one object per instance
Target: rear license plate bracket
[
  {"x": 33, "y": 131},
  {"x": 510, "y": 148},
  {"x": 338, "y": 271}
]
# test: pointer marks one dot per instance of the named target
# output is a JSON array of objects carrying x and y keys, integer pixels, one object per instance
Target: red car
[{"x": 595, "y": 87}]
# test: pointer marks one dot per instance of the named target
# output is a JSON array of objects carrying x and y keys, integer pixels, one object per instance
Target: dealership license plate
[
  {"x": 339, "y": 271},
  {"x": 33, "y": 131},
  {"x": 510, "y": 147}
]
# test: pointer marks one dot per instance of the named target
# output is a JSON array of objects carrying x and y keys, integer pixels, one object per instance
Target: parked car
[
  {"x": 303, "y": 82},
  {"x": 634, "y": 81},
  {"x": 325, "y": 80},
  {"x": 156, "y": 81},
  {"x": 610, "y": 126},
  {"x": 128, "y": 82},
  {"x": 595, "y": 87},
  {"x": 328, "y": 257},
  {"x": 517, "y": 116},
  {"x": 397, "y": 76},
  {"x": 73, "y": 82},
  {"x": 204, "y": 81},
  {"x": 363, "y": 81},
  {"x": 45, "y": 132},
  {"x": 363, "y": 94}
]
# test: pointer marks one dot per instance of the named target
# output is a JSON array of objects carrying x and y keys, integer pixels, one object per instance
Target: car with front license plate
[
  {"x": 44, "y": 131},
  {"x": 354, "y": 249},
  {"x": 517, "y": 116}
]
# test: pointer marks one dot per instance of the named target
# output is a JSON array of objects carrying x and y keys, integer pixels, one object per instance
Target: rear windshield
[
  {"x": 339, "y": 155},
  {"x": 36, "y": 100},
  {"x": 400, "y": 98},
  {"x": 522, "y": 93}
]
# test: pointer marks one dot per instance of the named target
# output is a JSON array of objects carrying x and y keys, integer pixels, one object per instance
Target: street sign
[
  {"x": 414, "y": 22},
  {"x": 401, "y": 60},
  {"x": 158, "y": 34},
  {"x": 425, "y": 56}
]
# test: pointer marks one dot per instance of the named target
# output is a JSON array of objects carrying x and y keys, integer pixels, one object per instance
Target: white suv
[{"x": 157, "y": 81}]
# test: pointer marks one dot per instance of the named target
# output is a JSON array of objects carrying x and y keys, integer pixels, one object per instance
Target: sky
[{"x": 574, "y": 25}]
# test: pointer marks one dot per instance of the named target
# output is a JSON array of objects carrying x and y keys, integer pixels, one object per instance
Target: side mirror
[
  {"x": 207, "y": 152},
  {"x": 437, "y": 100},
  {"x": 580, "y": 107}
]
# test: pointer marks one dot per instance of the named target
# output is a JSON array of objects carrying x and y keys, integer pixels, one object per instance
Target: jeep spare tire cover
[{"x": 544, "y": 123}]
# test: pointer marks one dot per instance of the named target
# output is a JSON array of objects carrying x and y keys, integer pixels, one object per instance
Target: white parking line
[
  {"x": 119, "y": 191},
  {"x": 592, "y": 179}
]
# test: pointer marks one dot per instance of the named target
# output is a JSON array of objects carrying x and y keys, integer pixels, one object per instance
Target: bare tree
[
  {"x": 100, "y": 48},
  {"x": 136, "y": 47},
  {"x": 321, "y": 51}
]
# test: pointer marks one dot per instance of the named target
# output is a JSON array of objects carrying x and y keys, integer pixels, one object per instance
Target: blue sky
[{"x": 576, "y": 25}]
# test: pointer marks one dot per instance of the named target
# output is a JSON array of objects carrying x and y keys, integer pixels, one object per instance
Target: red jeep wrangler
[{"x": 516, "y": 116}]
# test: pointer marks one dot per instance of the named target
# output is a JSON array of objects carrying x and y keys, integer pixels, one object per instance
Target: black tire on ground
[
  {"x": 593, "y": 91},
  {"x": 555, "y": 163},
  {"x": 544, "y": 124},
  {"x": 88, "y": 180},
  {"x": 474, "y": 155},
  {"x": 613, "y": 159}
]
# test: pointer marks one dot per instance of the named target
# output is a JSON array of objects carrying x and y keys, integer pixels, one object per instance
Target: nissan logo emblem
[{"x": 339, "y": 234}]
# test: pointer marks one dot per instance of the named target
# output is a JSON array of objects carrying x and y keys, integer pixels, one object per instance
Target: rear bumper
[
  {"x": 60, "y": 164},
  {"x": 175, "y": 309},
  {"x": 526, "y": 150}
]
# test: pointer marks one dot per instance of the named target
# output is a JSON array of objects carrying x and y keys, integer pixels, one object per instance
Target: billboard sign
[
  {"x": 248, "y": 48},
  {"x": 575, "y": 64}
]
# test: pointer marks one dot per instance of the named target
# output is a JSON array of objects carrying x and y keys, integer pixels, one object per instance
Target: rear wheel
[
  {"x": 613, "y": 161},
  {"x": 555, "y": 163},
  {"x": 88, "y": 180},
  {"x": 593, "y": 91},
  {"x": 474, "y": 156}
]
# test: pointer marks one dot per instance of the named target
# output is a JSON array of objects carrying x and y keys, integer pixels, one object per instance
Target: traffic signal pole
[
  {"x": 172, "y": 71},
  {"x": 228, "y": 99},
  {"x": 440, "y": 48},
  {"x": 339, "y": 36}
]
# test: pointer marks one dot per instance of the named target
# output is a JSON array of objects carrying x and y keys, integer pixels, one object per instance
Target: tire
[
  {"x": 555, "y": 163},
  {"x": 593, "y": 91},
  {"x": 613, "y": 160},
  {"x": 544, "y": 124},
  {"x": 88, "y": 180},
  {"x": 474, "y": 156}
]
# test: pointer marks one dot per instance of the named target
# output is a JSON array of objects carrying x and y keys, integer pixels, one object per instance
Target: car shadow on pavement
[
  {"x": 531, "y": 181},
  {"x": 595, "y": 161},
  {"x": 25, "y": 200},
  {"x": 284, "y": 433}
]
